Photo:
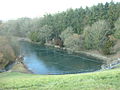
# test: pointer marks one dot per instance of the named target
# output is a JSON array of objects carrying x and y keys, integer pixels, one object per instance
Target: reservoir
[{"x": 45, "y": 60}]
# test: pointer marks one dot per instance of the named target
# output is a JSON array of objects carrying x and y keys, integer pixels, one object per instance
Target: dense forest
[{"x": 96, "y": 27}]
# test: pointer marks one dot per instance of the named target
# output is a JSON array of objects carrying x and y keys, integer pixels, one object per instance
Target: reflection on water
[{"x": 44, "y": 60}]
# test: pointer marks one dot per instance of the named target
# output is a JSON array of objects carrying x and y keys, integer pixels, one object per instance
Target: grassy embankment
[
  {"x": 105, "y": 80},
  {"x": 7, "y": 51}
]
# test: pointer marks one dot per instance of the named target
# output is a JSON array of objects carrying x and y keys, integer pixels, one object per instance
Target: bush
[
  {"x": 74, "y": 42},
  {"x": 88, "y": 44},
  {"x": 66, "y": 33},
  {"x": 9, "y": 50},
  {"x": 95, "y": 35},
  {"x": 19, "y": 27},
  {"x": 34, "y": 36},
  {"x": 117, "y": 29},
  {"x": 41, "y": 35},
  {"x": 106, "y": 47}
]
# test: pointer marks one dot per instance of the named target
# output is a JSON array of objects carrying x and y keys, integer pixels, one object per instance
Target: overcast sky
[{"x": 12, "y": 9}]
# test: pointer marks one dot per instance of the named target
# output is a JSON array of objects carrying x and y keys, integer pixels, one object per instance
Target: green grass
[{"x": 104, "y": 80}]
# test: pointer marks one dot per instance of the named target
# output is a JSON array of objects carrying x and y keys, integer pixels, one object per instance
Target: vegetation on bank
[
  {"x": 91, "y": 28},
  {"x": 95, "y": 28},
  {"x": 105, "y": 80},
  {"x": 8, "y": 51}
]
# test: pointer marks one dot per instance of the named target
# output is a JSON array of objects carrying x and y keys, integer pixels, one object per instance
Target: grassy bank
[
  {"x": 105, "y": 80},
  {"x": 8, "y": 51}
]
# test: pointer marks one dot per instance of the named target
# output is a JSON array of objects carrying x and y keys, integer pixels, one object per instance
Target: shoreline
[
  {"x": 17, "y": 66},
  {"x": 106, "y": 59},
  {"x": 98, "y": 57},
  {"x": 101, "y": 58},
  {"x": 26, "y": 69},
  {"x": 23, "y": 70},
  {"x": 108, "y": 63}
]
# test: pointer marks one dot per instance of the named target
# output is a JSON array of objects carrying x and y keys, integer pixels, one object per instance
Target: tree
[
  {"x": 74, "y": 42},
  {"x": 66, "y": 33},
  {"x": 117, "y": 29},
  {"x": 19, "y": 27},
  {"x": 96, "y": 34},
  {"x": 47, "y": 32},
  {"x": 107, "y": 46},
  {"x": 88, "y": 38},
  {"x": 41, "y": 35}
]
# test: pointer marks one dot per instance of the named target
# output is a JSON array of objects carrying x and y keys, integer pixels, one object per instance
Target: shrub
[
  {"x": 74, "y": 42},
  {"x": 8, "y": 51},
  {"x": 66, "y": 33},
  {"x": 88, "y": 44},
  {"x": 106, "y": 47},
  {"x": 97, "y": 37},
  {"x": 117, "y": 29},
  {"x": 41, "y": 35},
  {"x": 96, "y": 34}
]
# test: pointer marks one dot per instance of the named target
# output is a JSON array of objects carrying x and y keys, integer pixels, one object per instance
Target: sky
[{"x": 13, "y": 9}]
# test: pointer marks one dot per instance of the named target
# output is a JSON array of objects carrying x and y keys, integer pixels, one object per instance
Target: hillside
[
  {"x": 105, "y": 80},
  {"x": 92, "y": 32},
  {"x": 7, "y": 52},
  {"x": 91, "y": 28}
]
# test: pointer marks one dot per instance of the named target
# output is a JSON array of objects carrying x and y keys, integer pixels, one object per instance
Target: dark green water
[{"x": 44, "y": 60}]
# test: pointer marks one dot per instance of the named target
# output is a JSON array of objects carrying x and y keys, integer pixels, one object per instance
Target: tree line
[{"x": 79, "y": 29}]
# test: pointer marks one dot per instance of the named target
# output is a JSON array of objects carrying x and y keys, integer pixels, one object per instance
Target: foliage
[
  {"x": 8, "y": 51},
  {"x": 18, "y": 27},
  {"x": 66, "y": 33},
  {"x": 64, "y": 24},
  {"x": 79, "y": 18},
  {"x": 106, "y": 47},
  {"x": 75, "y": 18},
  {"x": 41, "y": 35},
  {"x": 117, "y": 29},
  {"x": 95, "y": 35},
  {"x": 74, "y": 42},
  {"x": 88, "y": 38}
]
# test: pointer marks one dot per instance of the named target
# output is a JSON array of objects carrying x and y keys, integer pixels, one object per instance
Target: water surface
[{"x": 44, "y": 60}]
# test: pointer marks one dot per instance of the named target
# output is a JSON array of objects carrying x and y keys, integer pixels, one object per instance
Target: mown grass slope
[{"x": 104, "y": 80}]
